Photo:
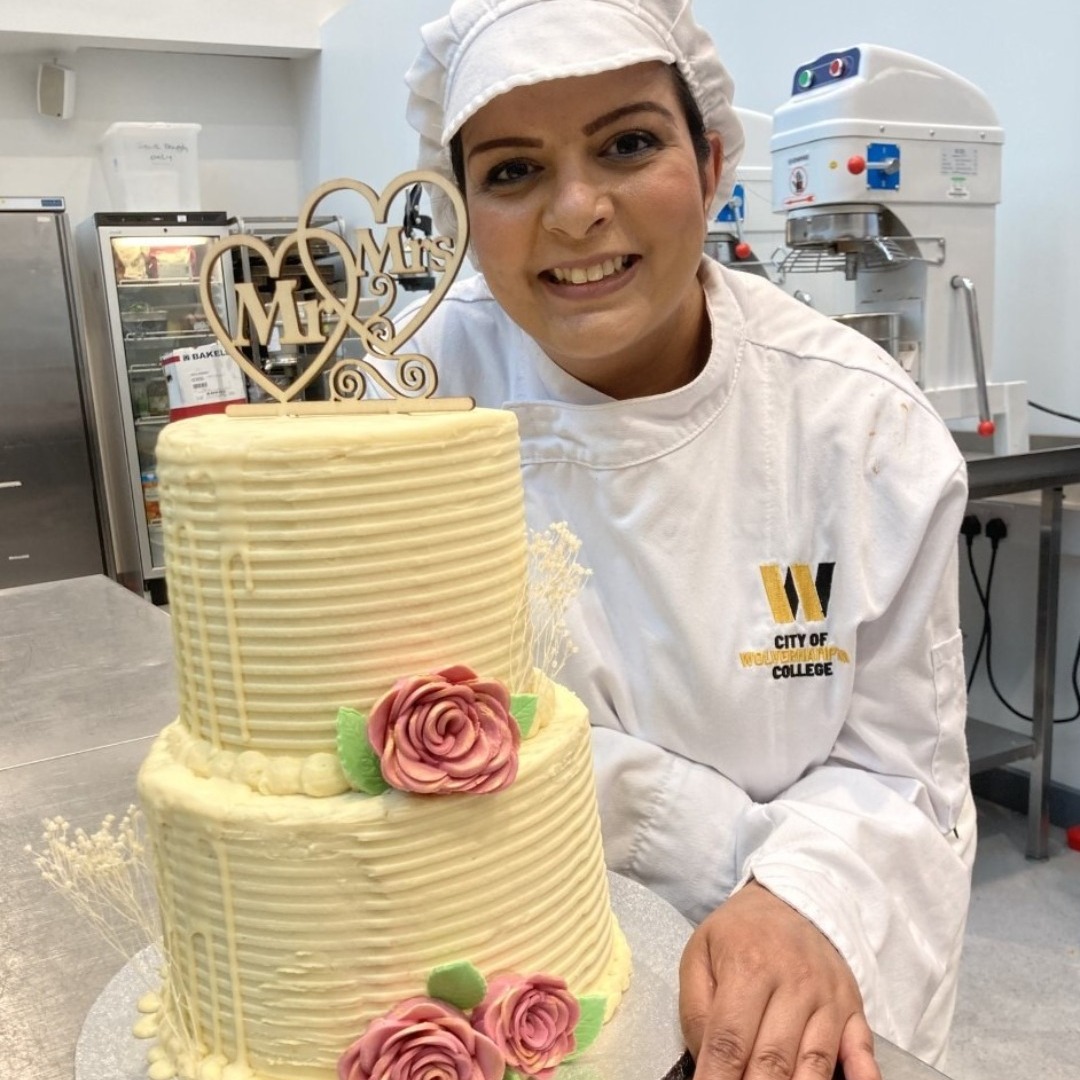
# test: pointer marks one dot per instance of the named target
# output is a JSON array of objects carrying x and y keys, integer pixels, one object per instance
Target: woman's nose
[{"x": 578, "y": 205}]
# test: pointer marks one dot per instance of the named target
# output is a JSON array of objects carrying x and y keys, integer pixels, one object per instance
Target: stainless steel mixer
[
  {"x": 888, "y": 169},
  {"x": 746, "y": 232}
]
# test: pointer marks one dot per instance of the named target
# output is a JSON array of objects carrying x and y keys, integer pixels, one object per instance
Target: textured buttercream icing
[
  {"x": 313, "y": 560},
  {"x": 312, "y": 563}
]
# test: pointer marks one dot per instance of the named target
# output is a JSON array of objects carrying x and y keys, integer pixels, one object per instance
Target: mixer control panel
[{"x": 831, "y": 68}]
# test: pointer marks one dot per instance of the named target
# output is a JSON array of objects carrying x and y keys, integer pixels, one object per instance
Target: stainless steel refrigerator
[
  {"x": 50, "y": 520},
  {"x": 140, "y": 274}
]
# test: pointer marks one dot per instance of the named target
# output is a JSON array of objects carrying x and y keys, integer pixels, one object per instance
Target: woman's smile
[
  {"x": 588, "y": 211},
  {"x": 590, "y": 273}
]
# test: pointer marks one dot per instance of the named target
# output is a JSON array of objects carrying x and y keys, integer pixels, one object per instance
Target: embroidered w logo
[{"x": 787, "y": 591}]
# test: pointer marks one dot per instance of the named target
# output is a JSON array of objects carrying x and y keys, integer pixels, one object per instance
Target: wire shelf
[{"x": 869, "y": 256}]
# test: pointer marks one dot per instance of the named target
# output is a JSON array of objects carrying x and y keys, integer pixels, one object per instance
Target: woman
[{"x": 769, "y": 643}]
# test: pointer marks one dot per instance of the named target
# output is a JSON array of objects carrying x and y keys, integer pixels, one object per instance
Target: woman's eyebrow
[
  {"x": 593, "y": 126},
  {"x": 590, "y": 128},
  {"x": 498, "y": 144}
]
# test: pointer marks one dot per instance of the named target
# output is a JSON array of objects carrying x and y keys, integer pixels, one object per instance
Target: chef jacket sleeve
[
  {"x": 668, "y": 822},
  {"x": 875, "y": 845}
]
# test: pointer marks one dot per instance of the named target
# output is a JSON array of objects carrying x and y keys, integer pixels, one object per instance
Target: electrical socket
[{"x": 986, "y": 509}]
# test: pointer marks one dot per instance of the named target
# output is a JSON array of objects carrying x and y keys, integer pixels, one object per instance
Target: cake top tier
[{"x": 314, "y": 560}]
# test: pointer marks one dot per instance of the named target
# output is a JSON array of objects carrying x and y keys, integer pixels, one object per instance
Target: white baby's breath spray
[
  {"x": 104, "y": 875},
  {"x": 555, "y": 577},
  {"x": 107, "y": 879}
]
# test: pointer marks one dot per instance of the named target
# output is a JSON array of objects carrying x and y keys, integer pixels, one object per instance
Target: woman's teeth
[{"x": 580, "y": 275}]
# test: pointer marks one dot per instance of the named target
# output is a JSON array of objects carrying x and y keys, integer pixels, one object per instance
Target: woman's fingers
[
  {"x": 793, "y": 1036},
  {"x": 857, "y": 1050},
  {"x": 697, "y": 986},
  {"x": 731, "y": 1035},
  {"x": 765, "y": 996}
]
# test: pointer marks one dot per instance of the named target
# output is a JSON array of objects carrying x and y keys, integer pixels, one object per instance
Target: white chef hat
[{"x": 483, "y": 48}]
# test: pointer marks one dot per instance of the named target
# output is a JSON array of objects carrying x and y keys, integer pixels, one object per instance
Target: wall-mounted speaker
[{"x": 56, "y": 91}]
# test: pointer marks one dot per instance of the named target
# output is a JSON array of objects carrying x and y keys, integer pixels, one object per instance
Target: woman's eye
[
  {"x": 508, "y": 172},
  {"x": 631, "y": 144}
]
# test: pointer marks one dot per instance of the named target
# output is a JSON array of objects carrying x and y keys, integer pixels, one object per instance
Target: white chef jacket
[{"x": 769, "y": 641}]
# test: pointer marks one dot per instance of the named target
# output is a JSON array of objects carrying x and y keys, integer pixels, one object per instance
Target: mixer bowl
[{"x": 841, "y": 227}]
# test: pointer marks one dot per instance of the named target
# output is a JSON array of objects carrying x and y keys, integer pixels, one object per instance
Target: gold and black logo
[
  {"x": 798, "y": 596},
  {"x": 786, "y": 593}
]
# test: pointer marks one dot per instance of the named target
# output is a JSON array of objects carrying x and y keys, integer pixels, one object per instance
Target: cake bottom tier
[{"x": 290, "y": 922}]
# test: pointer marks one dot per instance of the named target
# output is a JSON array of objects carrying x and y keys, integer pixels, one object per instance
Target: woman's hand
[{"x": 764, "y": 995}]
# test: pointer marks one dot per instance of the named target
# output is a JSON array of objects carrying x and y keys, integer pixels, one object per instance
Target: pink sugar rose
[
  {"x": 531, "y": 1020},
  {"x": 444, "y": 733},
  {"x": 422, "y": 1039}
]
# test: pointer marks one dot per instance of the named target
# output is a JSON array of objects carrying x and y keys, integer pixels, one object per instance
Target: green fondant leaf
[
  {"x": 358, "y": 760},
  {"x": 592, "y": 1020},
  {"x": 523, "y": 710},
  {"x": 458, "y": 984}
]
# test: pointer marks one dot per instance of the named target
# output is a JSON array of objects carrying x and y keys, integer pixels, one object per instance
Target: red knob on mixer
[
  {"x": 986, "y": 428},
  {"x": 856, "y": 164},
  {"x": 742, "y": 250}
]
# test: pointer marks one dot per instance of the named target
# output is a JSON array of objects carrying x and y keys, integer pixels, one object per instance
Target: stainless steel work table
[
  {"x": 989, "y": 746},
  {"x": 85, "y": 682}
]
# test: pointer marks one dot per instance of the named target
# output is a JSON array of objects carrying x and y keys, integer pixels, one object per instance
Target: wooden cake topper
[{"x": 324, "y": 322}]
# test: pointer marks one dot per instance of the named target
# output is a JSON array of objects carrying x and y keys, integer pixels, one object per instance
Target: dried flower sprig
[
  {"x": 104, "y": 875},
  {"x": 554, "y": 579},
  {"x": 107, "y": 878}
]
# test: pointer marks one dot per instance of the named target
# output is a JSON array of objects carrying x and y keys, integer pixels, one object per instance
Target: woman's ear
[{"x": 712, "y": 168}]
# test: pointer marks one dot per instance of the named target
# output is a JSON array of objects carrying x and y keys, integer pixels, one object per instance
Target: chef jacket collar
[{"x": 588, "y": 428}]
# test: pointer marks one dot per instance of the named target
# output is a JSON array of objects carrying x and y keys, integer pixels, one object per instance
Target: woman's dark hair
[{"x": 695, "y": 123}]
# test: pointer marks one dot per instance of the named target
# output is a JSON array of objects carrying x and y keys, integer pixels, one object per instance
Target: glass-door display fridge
[{"x": 141, "y": 273}]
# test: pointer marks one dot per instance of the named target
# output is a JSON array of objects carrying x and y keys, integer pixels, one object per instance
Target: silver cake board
[{"x": 641, "y": 1042}]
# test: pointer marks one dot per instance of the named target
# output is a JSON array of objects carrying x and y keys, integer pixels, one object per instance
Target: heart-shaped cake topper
[{"x": 379, "y": 256}]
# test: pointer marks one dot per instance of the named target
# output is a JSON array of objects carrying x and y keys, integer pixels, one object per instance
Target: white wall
[
  {"x": 249, "y": 146},
  {"x": 366, "y": 49},
  {"x": 236, "y": 27}
]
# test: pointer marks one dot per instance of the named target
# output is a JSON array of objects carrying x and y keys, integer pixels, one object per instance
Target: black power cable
[
  {"x": 1054, "y": 412},
  {"x": 969, "y": 529},
  {"x": 995, "y": 533}
]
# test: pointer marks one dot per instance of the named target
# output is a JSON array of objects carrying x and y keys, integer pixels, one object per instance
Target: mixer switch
[
  {"x": 856, "y": 164},
  {"x": 837, "y": 67},
  {"x": 883, "y": 166}
]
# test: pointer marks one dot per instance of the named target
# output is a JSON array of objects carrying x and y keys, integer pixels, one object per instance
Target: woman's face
[{"x": 588, "y": 210}]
